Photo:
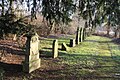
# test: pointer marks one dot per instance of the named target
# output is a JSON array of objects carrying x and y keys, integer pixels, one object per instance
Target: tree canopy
[{"x": 57, "y": 11}]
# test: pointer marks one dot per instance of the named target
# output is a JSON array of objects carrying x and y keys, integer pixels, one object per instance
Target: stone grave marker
[
  {"x": 84, "y": 33},
  {"x": 32, "y": 60},
  {"x": 55, "y": 49},
  {"x": 72, "y": 42},
  {"x": 64, "y": 47},
  {"x": 77, "y": 36},
  {"x": 81, "y": 34}
]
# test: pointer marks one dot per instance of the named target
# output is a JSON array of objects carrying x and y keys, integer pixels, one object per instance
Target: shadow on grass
[
  {"x": 45, "y": 54},
  {"x": 116, "y": 41},
  {"x": 98, "y": 41},
  {"x": 12, "y": 51},
  {"x": 11, "y": 67},
  {"x": 48, "y": 53},
  {"x": 78, "y": 71},
  {"x": 86, "y": 58}
]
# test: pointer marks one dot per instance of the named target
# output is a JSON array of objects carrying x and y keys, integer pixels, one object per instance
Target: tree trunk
[
  {"x": 115, "y": 35},
  {"x": 15, "y": 37},
  {"x": 11, "y": 6},
  {"x": 118, "y": 33},
  {"x": 2, "y": 13},
  {"x": 51, "y": 27},
  {"x": 108, "y": 29}
]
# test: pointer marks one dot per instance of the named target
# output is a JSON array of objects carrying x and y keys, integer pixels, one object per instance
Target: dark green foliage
[
  {"x": 9, "y": 24},
  {"x": 57, "y": 10}
]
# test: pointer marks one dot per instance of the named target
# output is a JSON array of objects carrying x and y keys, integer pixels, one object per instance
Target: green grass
[{"x": 95, "y": 57}]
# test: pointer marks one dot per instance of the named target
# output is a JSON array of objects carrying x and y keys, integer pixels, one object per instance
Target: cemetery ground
[{"x": 97, "y": 58}]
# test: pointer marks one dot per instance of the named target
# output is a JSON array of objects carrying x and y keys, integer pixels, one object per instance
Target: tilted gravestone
[
  {"x": 77, "y": 36},
  {"x": 64, "y": 47},
  {"x": 32, "y": 60},
  {"x": 55, "y": 49},
  {"x": 72, "y": 42}
]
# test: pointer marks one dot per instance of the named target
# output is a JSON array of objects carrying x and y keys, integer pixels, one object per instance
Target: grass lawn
[{"x": 97, "y": 58}]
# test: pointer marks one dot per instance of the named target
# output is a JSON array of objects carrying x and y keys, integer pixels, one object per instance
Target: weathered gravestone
[
  {"x": 32, "y": 60},
  {"x": 77, "y": 36},
  {"x": 81, "y": 35},
  {"x": 72, "y": 42},
  {"x": 55, "y": 49},
  {"x": 84, "y": 33},
  {"x": 64, "y": 47}
]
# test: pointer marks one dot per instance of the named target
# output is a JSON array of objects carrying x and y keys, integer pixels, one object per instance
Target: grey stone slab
[{"x": 55, "y": 49}]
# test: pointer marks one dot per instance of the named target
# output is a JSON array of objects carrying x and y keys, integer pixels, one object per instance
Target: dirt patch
[{"x": 10, "y": 52}]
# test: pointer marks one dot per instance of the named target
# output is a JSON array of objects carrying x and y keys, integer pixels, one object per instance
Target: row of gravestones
[
  {"x": 81, "y": 34},
  {"x": 32, "y": 60}
]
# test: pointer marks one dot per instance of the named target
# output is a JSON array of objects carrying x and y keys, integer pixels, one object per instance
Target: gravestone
[
  {"x": 84, "y": 34},
  {"x": 81, "y": 35},
  {"x": 32, "y": 60},
  {"x": 64, "y": 47},
  {"x": 77, "y": 36},
  {"x": 72, "y": 42},
  {"x": 55, "y": 49}
]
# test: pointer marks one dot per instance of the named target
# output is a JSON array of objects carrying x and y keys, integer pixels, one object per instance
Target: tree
[
  {"x": 109, "y": 11},
  {"x": 56, "y": 11},
  {"x": 10, "y": 22}
]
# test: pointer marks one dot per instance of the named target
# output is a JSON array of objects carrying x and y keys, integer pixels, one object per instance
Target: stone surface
[
  {"x": 55, "y": 49},
  {"x": 81, "y": 34},
  {"x": 77, "y": 36},
  {"x": 32, "y": 60},
  {"x": 72, "y": 42},
  {"x": 84, "y": 33},
  {"x": 64, "y": 47}
]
